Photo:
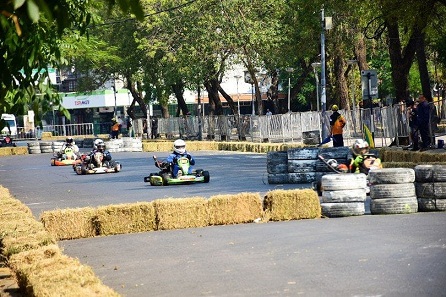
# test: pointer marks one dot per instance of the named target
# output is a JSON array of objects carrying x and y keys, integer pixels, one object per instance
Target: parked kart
[
  {"x": 164, "y": 177},
  {"x": 68, "y": 157},
  {"x": 88, "y": 165},
  {"x": 7, "y": 141}
]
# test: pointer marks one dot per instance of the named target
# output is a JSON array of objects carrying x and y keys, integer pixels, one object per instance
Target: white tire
[
  {"x": 333, "y": 210},
  {"x": 394, "y": 205},
  {"x": 343, "y": 181},
  {"x": 391, "y": 176},
  {"x": 355, "y": 195}
]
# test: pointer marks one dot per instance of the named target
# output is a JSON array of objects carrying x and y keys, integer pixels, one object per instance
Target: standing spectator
[
  {"x": 115, "y": 129},
  {"x": 423, "y": 116},
  {"x": 144, "y": 128},
  {"x": 413, "y": 124},
  {"x": 268, "y": 112},
  {"x": 154, "y": 125},
  {"x": 337, "y": 124}
]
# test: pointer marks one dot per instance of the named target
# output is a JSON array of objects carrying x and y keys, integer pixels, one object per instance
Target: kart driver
[
  {"x": 362, "y": 161},
  {"x": 179, "y": 151},
  {"x": 69, "y": 143},
  {"x": 99, "y": 146}
]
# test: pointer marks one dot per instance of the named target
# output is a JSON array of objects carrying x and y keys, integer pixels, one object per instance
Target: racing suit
[
  {"x": 74, "y": 147},
  {"x": 107, "y": 157},
  {"x": 173, "y": 158}
]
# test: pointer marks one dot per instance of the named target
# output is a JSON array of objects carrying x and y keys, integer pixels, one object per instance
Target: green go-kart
[{"x": 164, "y": 177}]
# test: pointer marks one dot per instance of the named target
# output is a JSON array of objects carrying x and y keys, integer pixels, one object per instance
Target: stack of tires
[
  {"x": 430, "y": 185},
  {"x": 277, "y": 168},
  {"x": 131, "y": 144},
  {"x": 114, "y": 145},
  {"x": 57, "y": 145},
  {"x": 34, "y": 147},
  {"x": 343, "y": 194},
  {"x": 302, "y": 165},
  {"x": 46, "y": 147},
  {"x": 392, "y": 191}
]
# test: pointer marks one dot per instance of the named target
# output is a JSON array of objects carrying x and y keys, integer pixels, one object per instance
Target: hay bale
[
  {"x": 179, "y": 213},
  {"x": 70, "y": 223},
  {"x": 283, "y": 205},
  {"x": 126, "y": 218},
  {"x": 47, "y": 272},
  {"x": 19, "y": 230},
  {"x": 234, "y": 209}
]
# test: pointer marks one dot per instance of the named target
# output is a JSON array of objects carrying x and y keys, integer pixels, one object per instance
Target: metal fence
[{"x": 388, "y": 125}]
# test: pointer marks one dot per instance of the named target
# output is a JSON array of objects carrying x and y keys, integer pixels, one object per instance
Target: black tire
[
  {"x": 394, "y": 205},
  {"x": 391, "y": 176},
  {"x": 207, "y": 176},
  {"x": 198, "y": 172},
  {"x": 333, "y": 210},
  {"x": 430, "y": 173},
  {"x": 309, "y": 153},
  {"x": 431, "y": 190},
  {"x": 53, "y": 160},
  {"x": 384, "y": 191},
  {"x": 342, "y": 196},
  {"x": 165, "y": 177},
  {"x": 276, "y": 162},
  {"x": 301, "y": 166},
  {"x": 83, "y": 169},
  {"x": 278, "y": 178},
  {"x": 117, "y": 167},
  {"x": 431, "y": 204}
]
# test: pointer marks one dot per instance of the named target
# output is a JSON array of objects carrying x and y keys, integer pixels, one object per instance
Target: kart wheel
[
  {"x": 83, "y": 169},
  {"x": 206, "y": 175},
  {"x": 53, "y": 160},
  {"x": 198, "y": 172},
  {"x": 147, "y": 178},
  {"x": 117, "y": 167},
  {"x": 165, "y": 177}
]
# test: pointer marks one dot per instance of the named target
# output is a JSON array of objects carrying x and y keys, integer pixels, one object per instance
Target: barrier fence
[{"x": 387, "y": 124}]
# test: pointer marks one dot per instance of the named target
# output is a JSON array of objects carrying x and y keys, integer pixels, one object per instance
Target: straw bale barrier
[
  {"x": 234, "y": 209},
  {"x": 19, "y": 230},
  {"x": 282, "y": 205},
  {"x": 125, "y": 218},
  {"x": 47, "y": 272},
  {"x": 174, "y": 213},
  {"x": 18, "y": 150},
  {"x": 70, "y": 223}
]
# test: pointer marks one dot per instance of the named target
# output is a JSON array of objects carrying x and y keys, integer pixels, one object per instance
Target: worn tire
[
  {"x": 431, "y": 190},
  {"x": 391, "y": 176},
  {"x": 333, "y": 210},
  {"x": 305, "y": 177},
  {"x": 276, "y": 162},
  {"x": 384, "y": 191},
  {"x": 431, "y": 204},
  {"x": 309, "y": 153},
  {"x": 394, "y": 205},
  {"x": 301, "y": 166},
  {"x": 344, "y": 181},
  {"x": 355, "y": 195},
  {"x": 207, "y": 176},
  {"x": 430, "y": 173}
]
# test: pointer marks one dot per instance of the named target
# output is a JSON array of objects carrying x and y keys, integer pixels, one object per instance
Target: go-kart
[
  {"x": 7, "y": 141},
  {"x": 164, "y": 177},
  {"x": 68, "y": 157},
  {"x": 91, "y": 164}
]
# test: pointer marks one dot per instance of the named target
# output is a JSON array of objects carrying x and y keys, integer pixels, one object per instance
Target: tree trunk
[
  {"x": 273, "y": 92},
  {"x": 341, "y": 87},
  {"x": 228, "y": 99},
  {"x": 400, "y": 59},
  {"x": 422, "y": 67},
  {"x": 214, "y": 99},
  {"x": 137, "y": 97},
  {"x": 178, "y": 90}
]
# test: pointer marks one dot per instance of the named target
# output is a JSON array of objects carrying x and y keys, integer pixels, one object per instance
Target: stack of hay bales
[
  {"x": 430, "y": 185},
  {"x": 34, "y": 147},
  {"x": 343, "y": 194},
  {"x": 392, "y": 191}
]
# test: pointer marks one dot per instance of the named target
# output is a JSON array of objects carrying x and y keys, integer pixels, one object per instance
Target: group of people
[
  {"x": 422, "y": 117},
  {"x": 98, "y": 146}
]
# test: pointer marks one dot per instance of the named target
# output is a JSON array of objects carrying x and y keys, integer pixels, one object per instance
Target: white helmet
[
  {"x": 96, "y": 142},
  {"x": 360, "y": 147},
  {"x": 179, "y": 146}
]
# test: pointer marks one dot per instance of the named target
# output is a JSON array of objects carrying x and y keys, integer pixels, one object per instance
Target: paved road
[{"x": 393, "y": 255}]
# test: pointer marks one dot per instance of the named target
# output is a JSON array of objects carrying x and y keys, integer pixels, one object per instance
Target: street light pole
[
  {"x": 289, "y": 70},
  {"x": 326, "y": 25},
  {"x": 316, "y": 76},
  {"x": 114, "y": 93},
  {"x": 252, "y": 97},
  {"x": 237, "y": 77}
]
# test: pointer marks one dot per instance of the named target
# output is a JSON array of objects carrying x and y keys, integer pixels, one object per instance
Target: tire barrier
[
  {"x": 311, "y": 137},
  {"x": 46, "y": 147},
  {"x": 57, "y": 145},
  {"x": 124, "y": 144},
  {"x": 430, "y": 186},
  {"x": 302, "y": 165},
  {"x": 343, "y": 194},
  {"x": 34, "y": 147},
  {"x": 392, "y": 191}
]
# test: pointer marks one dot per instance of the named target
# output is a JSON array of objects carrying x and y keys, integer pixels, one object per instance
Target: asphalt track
[{"x": 392, "y": 255}]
